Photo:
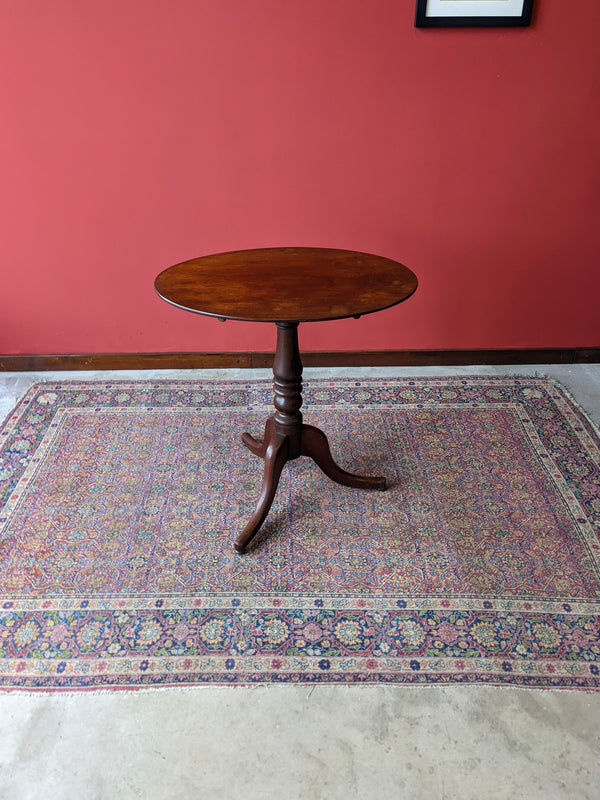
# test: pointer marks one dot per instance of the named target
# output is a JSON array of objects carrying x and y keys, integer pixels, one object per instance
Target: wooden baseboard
[
  {"x": 95, "y": 361},
  {"x": 355, "y": 358}
]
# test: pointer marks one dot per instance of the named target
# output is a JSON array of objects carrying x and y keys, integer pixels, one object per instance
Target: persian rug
[{"x": 119, "y": 503}]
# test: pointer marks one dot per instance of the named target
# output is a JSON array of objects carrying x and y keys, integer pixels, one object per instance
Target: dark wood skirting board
[{"x": 354, "y": 358}]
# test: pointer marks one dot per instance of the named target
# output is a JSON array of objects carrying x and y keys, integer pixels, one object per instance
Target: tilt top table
[{"x": 286, "y": 286}]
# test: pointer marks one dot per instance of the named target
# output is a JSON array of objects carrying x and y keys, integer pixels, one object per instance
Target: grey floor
[{"x": 304, "y": 742}]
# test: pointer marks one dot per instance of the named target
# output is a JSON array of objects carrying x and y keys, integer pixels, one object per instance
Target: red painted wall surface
[{"x": 136, "y": 135}]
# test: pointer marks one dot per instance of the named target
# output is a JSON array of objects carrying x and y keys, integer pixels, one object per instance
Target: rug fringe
[
  {"x": 569, "y": 394},
  {"x": 299, "y": 687}
]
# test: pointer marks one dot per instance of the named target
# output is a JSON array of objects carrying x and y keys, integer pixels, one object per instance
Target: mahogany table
[{"x": 286, "y": 286}]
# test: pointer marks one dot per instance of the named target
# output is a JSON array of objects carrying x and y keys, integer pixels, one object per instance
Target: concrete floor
[{"x": 298, "y": 742}]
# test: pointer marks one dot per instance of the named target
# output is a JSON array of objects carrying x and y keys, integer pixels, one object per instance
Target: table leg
[
  {"x": 287, "y": 438},
  {"x": 276, "y": 455},
  {"x": 259, "y": 446},
  {"x": 315, "y": 445}
]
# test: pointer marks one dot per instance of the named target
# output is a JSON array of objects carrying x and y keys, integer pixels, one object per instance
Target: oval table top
[{"x": 286, "y": 284}]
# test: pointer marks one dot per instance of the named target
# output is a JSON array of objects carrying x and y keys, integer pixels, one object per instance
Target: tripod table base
[{"x": 276, "y": 451}]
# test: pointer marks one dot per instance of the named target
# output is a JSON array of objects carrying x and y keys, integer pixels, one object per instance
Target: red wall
[{"x": 135, "y": 135}]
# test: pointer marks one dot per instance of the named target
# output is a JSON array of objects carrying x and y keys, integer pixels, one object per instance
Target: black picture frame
[{"x": 472, "y": 20}]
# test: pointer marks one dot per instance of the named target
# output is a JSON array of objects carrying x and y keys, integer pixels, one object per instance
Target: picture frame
[{"x": 472, "y": 13}]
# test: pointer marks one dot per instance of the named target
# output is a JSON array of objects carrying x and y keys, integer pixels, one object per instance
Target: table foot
[
  {"x": 315, "y": 445},
  {"x": 275, "y": 455}
]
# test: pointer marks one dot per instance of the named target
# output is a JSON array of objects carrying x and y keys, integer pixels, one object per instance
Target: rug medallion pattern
[{"x": 119, "y": 503}]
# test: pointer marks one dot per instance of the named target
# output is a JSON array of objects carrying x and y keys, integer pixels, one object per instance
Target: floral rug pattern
[{"x": 119, "y": 503}]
